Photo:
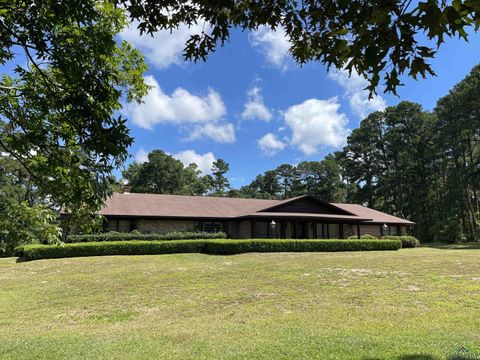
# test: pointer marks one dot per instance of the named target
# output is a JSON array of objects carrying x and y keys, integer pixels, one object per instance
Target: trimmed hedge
[
  {"x": 228, "y": 247},
  {"x": 118, "y": 236},
  {"x": 220, "y": 247},
  {"x": 134, "y": 247},
  {"x": 407, "y": 241}
]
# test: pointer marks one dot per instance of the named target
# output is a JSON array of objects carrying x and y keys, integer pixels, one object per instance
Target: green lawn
[{"x": 407, "y": 304}]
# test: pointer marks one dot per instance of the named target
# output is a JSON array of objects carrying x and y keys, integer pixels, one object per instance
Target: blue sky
[{"x": 250, "y": 105}]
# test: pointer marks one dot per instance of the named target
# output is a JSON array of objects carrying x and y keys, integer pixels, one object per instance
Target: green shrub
[
  {"x": 24, "y": 224},
  {"x": 136, "y": 235},
  {"x": 134, "y": 247},
  {"x": 226, "y": 247},
  {"x": 407, "y": 241},
  {"x": 221, "y": 247},
  {"x": 368, "y": 236},
  {"x": 363, "y": 237}
]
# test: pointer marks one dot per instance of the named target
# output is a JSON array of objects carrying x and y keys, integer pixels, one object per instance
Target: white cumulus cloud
[
  {"x": 141, "y": 156},
  {"x": 221, "y": 133},
  {"x": 316, "y": 123},
  {"x": 164, "y": 48},
  {"x": 273, "y": 44},
  {"x": 255, "y": 108},
  {"x": 203, "y": 161},
  {"x": 178, "y": 108},
  {"x": 270, "y": 144},
  {"x": 354, "y": 86}
]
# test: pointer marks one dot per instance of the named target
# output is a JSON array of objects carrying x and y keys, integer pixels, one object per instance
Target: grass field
[{"x": 409, "y": 304}]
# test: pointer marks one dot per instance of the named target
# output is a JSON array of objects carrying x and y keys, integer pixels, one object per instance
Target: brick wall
[
  {"x": 370, "y": 230},
  {"x": 164, "y": 226}
]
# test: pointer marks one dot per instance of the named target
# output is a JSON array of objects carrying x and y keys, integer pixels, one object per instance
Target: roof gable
[{"x": 307, "y": 204}]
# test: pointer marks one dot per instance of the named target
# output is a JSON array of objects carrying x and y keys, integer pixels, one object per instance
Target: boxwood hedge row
[
  {"x": 407, "y": 241},
  {"x": 220, "y": 247},
  {"x": 226, "y": 247},
  {"x": 118, "y": 236}
]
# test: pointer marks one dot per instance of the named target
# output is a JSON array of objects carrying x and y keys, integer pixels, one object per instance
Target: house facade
[{"x": 303, "y": 217}]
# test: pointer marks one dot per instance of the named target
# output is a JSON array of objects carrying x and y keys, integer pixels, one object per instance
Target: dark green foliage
[
  {"x": 227, "y": 247},
  {"x": 218, "y": 181},
  {"x": 59, "y": 105},
  {"x": 388, "y": 160},
  {"x": 374, "y": 38},
  {"x": 16, "y": 184},
  {"x": 368, "y": 236},
  {"x": 420, "y": 165},
  {"x": 163, "y": 174},
  {"x": 323, "y": 179},
  {"x": 72, "y": 75},
  {"x": 134, "y": 235},
  {"x": 24, "y": 224},
  {"x": 134, "y": 247},
  {"x": 407, "y": 241},
  {"x": 457, "y": 140},
  {"x": 220, "y": 247}
]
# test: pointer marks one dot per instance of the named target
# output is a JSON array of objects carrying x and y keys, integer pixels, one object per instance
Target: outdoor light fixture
[
  {"x": 272, "y": 225},
  {"x": 385, "y": 229}
]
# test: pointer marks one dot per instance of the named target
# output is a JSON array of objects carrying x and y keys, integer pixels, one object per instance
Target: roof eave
[{"x": 280, "y": 215}]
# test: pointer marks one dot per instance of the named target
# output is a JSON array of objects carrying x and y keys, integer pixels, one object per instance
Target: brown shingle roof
[
  {"x": 156, "y": 205},
  {"x": 178, "y": 206},
  {"x": 375, "y": 215}
]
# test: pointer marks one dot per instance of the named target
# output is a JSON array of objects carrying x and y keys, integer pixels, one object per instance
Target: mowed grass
[{"x": 409, "y": 304}]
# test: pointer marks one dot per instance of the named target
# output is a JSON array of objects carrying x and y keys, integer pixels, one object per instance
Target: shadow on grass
[
  {"x": 444, "y": 246},
  {"x": 410, "y": 357},
  {"x": 427, "y": 357}
]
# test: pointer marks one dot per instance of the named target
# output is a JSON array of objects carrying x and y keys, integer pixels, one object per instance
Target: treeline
[
  {"x": 419, "y": 165},
  {"x": 163, "y": 174},
  {"x": 323, "y": 179}
]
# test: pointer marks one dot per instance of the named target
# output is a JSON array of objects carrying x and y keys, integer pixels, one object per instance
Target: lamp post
[
  {"x": 385, "y": 229},
  {"x": 273, "y": 224}
]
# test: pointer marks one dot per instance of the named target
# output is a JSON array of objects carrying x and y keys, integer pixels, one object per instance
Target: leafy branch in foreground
[
  {"x": 373, "y": 38},
  {"x": 59, "y": 104},
  {"x": 25, "y": 224}
]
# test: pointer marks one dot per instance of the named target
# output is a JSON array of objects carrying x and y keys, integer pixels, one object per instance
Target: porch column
[{"x": 358, "y": 231}]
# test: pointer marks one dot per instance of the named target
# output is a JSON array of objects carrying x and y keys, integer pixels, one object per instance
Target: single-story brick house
[{"x": 299, "y": 217}]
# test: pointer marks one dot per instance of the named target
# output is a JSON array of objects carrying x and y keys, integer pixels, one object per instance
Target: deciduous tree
[{"x": 59, "y": 105}]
